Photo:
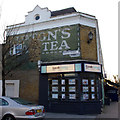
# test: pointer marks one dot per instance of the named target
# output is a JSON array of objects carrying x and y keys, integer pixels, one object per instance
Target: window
[
  {"x": 62, "y": 88},
  {"x": 37, "y": 17},
  {"x": 89, "y": 89},
  {"x": 22, "y": 102},
  {"x": 16, "y": 49},
  {"x": 3, "y": 102}
]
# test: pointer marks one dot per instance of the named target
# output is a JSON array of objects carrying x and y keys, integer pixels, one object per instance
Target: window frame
[{"x": 3, "y": 100}]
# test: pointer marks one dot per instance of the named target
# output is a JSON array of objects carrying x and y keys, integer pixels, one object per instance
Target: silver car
[{"x": 18, "y": 109}]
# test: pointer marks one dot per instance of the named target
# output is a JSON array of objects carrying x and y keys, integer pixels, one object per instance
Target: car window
[
  {"x": 21, "y": 101},
  {"x": 0, "y": 102},
  {"x": 3, "y": 102}
]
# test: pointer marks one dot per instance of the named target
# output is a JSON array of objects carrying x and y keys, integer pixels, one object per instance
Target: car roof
[
  {"x": 11, "y": 102},
  {"x": 5, "y": 97}
]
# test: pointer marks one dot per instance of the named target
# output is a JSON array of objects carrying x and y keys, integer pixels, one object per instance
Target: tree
[
  {"x": 10, "y": 58},
  {"x": 14, "y": 54}
]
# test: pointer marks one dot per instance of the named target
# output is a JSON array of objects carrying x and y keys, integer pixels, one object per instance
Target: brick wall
[
  {"x": 29, "y": 79},
  {"x": 0, "y": 62},
  {"x": 88, "y": 51},
  {"x": 29, "y": 84}
]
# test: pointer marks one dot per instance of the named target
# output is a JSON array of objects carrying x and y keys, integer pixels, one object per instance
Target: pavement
[{"x": 110, "y": 112}]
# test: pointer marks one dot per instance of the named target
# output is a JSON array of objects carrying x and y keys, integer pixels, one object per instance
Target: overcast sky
[{"x": 106, "y": 11}]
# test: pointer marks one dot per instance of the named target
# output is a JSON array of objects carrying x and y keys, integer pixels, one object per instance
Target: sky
[{"x": 106, "y": 11}]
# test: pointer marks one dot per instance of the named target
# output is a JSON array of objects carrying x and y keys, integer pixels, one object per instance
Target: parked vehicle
[
  {"x": 18, "y": 109},
  {"x": 112, "y": 93}
]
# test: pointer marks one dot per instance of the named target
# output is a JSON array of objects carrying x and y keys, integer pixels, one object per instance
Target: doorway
[{"x": 12, "y": 88}]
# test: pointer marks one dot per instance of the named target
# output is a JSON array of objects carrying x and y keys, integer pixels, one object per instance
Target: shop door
[{"x": 10, "y": 89}]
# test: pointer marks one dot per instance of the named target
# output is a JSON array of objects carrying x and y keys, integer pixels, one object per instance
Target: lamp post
[
  {"x": 102, "y": 82},
  {"x": 39, "y": 65},
  {"x": 90, "y": 36}
]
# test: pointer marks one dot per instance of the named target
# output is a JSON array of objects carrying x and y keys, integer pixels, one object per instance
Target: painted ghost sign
[
  {"x": 56, "y": 44},
  {"x": 60, "y": 44}
]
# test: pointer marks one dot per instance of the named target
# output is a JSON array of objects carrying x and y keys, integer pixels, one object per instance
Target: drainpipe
[{"x": 103, "y": 93}]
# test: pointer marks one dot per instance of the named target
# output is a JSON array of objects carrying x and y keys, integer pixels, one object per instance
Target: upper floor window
[
  {"x": 16, "y": 50},
  {"x": 37, "y": 17}
]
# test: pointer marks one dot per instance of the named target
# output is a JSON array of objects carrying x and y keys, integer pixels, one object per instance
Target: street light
[
  {"x": 90, "y": 36},
  {"x": 39, "y": 64}
]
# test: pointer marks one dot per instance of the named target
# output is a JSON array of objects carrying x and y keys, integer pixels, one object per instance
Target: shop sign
[
  {"x": 61, "y": 68},
  {"x": 92, "y": 68}
]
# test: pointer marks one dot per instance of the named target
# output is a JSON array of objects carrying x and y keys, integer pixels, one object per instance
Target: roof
[
  {"x": 50, "y": 15},
  {"x": 112, "y": 83},
  {"x": 63, "y": 11}
]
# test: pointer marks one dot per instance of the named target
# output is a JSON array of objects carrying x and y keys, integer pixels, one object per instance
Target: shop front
[{"x": 71, "y": 87}]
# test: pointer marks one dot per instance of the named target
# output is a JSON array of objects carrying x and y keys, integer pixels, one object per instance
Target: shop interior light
[{"x": 90, "y": 36}]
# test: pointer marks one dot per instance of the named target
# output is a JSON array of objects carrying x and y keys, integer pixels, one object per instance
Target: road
[{"x": 110, "y": 112}]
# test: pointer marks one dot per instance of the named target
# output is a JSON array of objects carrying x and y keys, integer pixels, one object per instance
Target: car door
[
  {"x": 0, "y": 108},
  {"x": 3, "y": 104}
]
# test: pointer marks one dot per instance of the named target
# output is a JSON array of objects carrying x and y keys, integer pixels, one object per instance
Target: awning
[{"x": 112, "y": 83}]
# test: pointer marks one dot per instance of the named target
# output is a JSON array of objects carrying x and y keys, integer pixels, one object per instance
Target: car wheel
[{"x": 8, "y": 117}]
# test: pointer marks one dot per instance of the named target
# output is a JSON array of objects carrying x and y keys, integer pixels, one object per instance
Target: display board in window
[
  {"x": 55, "y": 96},
  {"x": 63, "y": 96},
  {"x": 54, "y": 82},
  {"x": 72, "y": 96},
  {"x": 92, "y": 96},
  {"x": 92, "y": 82},
  {"x": 85, "y": 96},
  {"x": 85, "y": 81},
  {"x": 63, "y": 89},
  {"x": 72, "y": 89},
  {"x": 71, "y": 81},
  {"x": 63, "y": 82},
  {"x": 92, "y": 89},
  {"x": 85, "y": 89},
  {"x": 54, "y": 89}
]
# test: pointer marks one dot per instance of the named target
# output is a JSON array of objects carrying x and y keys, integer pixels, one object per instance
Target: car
[{"x": 19, "y": 109}]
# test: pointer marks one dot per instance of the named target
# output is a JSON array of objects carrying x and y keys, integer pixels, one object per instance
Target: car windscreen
[{"x": 21, "y": 101}]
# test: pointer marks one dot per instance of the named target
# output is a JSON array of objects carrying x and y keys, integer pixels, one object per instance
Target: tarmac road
[{"x": 110, "y": 112}]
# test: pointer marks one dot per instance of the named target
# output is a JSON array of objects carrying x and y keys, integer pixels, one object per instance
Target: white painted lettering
[
  {"x": 54, "y": 45},
  {"x": 64, "y": 45},
  {"x": 65, "y": 33},
  {"x": 42, "y": 36},
  {"x": 46, "y": 46},
  {"x": 50, "y": 34}
]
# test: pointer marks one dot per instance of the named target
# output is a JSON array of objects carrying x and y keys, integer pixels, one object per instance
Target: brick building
[
  {"x": 0, "y": 62},
  {"x": 63, "y": 63},
  {"x": 0, "y": 69}
]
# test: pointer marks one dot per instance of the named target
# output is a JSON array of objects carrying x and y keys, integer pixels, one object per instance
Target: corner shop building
[{"x": 70, "y": 61}]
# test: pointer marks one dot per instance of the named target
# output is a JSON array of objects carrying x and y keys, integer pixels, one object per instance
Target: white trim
[
  {"x": 52, "y": 23},
  {"x": 53, "y": 19},
  {"x": 98, "y": 42}
]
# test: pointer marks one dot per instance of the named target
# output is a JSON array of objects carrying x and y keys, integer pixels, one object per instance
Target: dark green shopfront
[{"x": 71, "y": 87}]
